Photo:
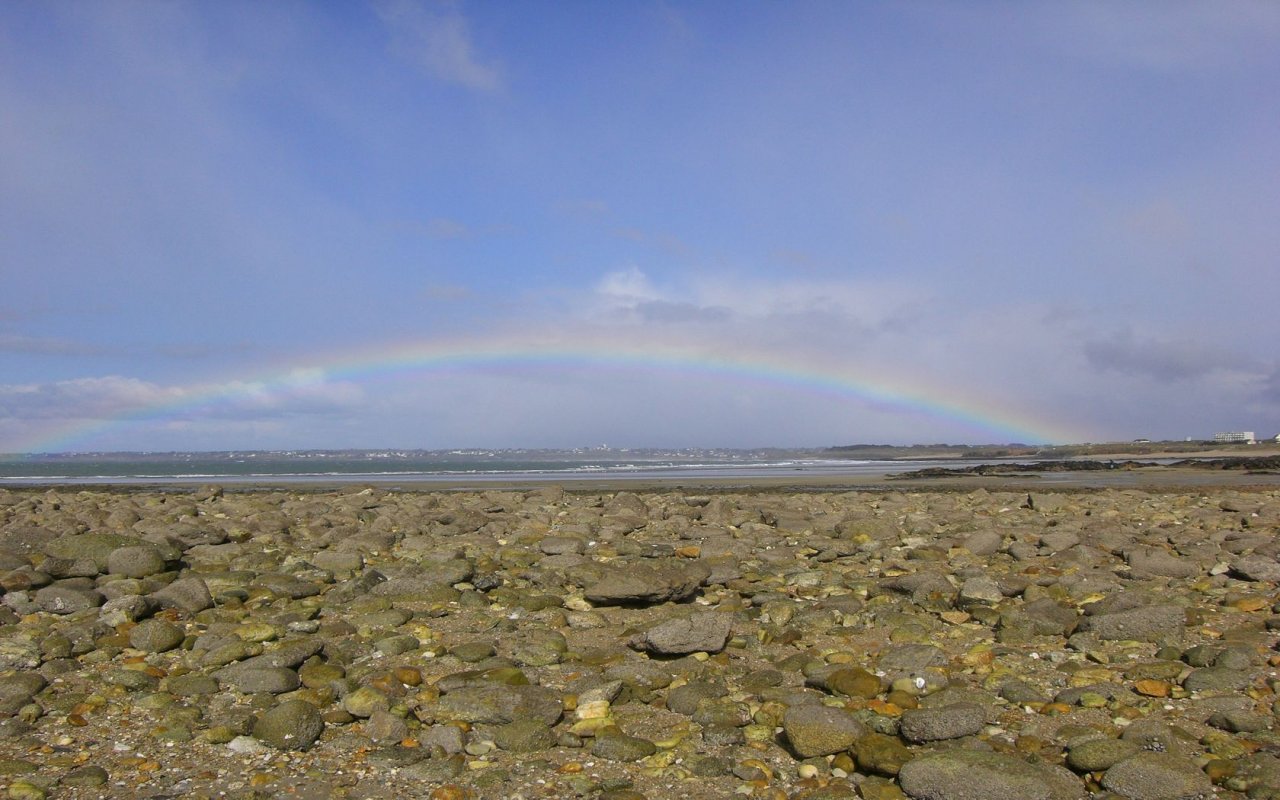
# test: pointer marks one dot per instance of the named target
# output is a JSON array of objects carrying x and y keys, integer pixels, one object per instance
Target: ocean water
[{"x": 466, "y": 467}]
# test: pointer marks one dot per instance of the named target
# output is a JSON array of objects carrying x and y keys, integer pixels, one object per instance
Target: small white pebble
[{"x": 836, "y": 772}]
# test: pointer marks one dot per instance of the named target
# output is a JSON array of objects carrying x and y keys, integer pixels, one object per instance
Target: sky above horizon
[{"x": 430, "y": 224}]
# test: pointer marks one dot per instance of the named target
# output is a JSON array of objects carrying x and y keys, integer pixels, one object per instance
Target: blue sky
[{"x": 1060, "y": 220}]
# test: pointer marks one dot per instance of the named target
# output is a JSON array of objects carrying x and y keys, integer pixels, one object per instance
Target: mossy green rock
[
  {"x": 621, "y": 747},
  {"x": 879, "y": 754},
  {"x": 854, "y": 682},
  {"x": 292, "y": 725},
  {"x": 1096, "y": 755}
]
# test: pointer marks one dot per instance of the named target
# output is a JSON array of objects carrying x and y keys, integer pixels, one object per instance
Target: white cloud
[
  {"x": 302, "y": 392},
  {"x": 626, "y": 288},
  {"x": 435, "y": 36},
  {"x": 83, "y": 398}
]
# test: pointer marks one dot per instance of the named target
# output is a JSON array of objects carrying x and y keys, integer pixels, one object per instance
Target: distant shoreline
[{"x": 999, "y": 476}]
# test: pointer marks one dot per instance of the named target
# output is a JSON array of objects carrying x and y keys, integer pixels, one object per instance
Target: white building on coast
[{"x": 1235, "y": 437}]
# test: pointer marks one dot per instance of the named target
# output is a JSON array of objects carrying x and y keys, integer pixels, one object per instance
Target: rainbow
[{"x": 787, "y": 371}]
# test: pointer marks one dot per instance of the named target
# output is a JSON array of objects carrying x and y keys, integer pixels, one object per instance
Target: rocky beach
[{"x": 936, "y": 642}]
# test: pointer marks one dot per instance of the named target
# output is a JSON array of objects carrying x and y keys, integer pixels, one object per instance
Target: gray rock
[
  {"x": 135, "y": 561},
  {"x": 621, "y": 747},
  {"x": 1158, "y": 736},
  {"x": 385, "y": 728},
  {"x": 286, "y": 654},
  {"x": 128, "y": 608},
  {"x": 192, "y": 684},
  {"x": 1157, "y": 561},
  {"x": 292, "y": 725},
  {"x": 560, "y": 545},
  {"x": 1057, "y": 541},
  {"x": 156, "y": 636},
  {"x": 131, "y": 679},
  {"x": 59, "y": 599},
  {"x": 539, "y": 648},
  {"x": 273, "y": 680},
  {"x": 946, "y": 722},
  {"x": 69, "y": 568},
  {"x": 1240, "y": 721},
  {"x": 979, "y": 775},
  {"x": 817, "y": 730},
  {"x": 338, "y": 561},
  {"x": 17, "y": 690},
  {"x": 89, "y": 776},
  {"x": 524, "y": 736},
  {"x": 499, "y": 704},
  {"x": 1257, "y": 568},
  {"x": 1157, "y": 776},
  {"x": 641, "y": 584},
  {"x": 471, "y": 652},
  {"x": 983, "y": 543},
  {"x": 1217, "y": 679},
  {"x": 980, "y": 590},
  {"x": 1259, "y": 774},
  {"x": 287, "y": 586},
  {"x": 1096, "y": 755},
  {"x": 1154, "y": 623},
  {"x": 95, "y": 546},
  {"x": 19, "y": 652},
  {"x": 27, "y": 539},
  {"x": 365, "y": 702},
  {"x": 705, "y": 631},
  {"x": 188, "y": 595},
  {"x": 685, "y": 699},
  {"x": 449, "y": 738},
  {"x": 1042, "y": 617},
  {"x": 910, "y": 659}
]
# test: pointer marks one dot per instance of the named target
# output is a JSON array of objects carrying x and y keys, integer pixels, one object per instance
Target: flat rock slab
[
  {"x": 641, "y": 584},
  {"x": 979, "y": 775},
  {"x": 1157, "y": 776},
  {"x": 707, "y": 631},
  {"x": 946, "y": 722},
  {"x": 1257, "y": 568},
  {"x": 1153, "y": 623}
]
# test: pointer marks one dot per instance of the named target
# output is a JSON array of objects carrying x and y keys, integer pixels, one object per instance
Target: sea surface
[{"x": 478, "y": 467}]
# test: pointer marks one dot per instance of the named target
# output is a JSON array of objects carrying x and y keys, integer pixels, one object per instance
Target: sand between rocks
[{"x": 365, "y": 643}]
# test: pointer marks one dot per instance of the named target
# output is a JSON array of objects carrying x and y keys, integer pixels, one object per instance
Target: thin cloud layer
[{"x": 435, "y": 36}]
